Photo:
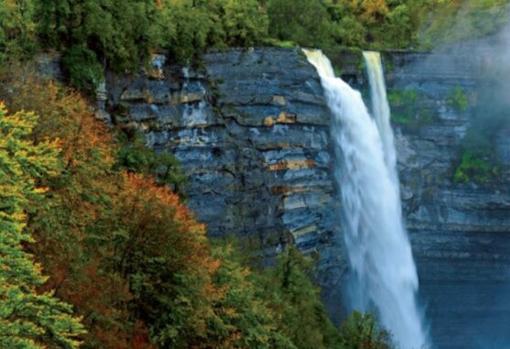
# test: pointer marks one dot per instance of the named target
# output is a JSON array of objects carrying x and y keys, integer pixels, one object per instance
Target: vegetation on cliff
[
  {"x": 121, "y": 250},
  {"x": 478, "y": 159},
  {"x": 119, "y": 34},
  {"x": 103, "y": 217},
  {"x": 404, "y": 111}
]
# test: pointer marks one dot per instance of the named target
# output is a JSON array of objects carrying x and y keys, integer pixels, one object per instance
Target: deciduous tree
[{"x": 28, "y": 319}]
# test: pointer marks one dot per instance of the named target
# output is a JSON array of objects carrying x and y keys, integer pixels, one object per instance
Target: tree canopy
[
  {"x": 94, "y": 35},
  {"x": 28, "y": 318}
]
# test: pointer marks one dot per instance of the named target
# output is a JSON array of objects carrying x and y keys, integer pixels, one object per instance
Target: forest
[
  {"x": 97, "y": 246},
  {"x": 119, "y": 35}
]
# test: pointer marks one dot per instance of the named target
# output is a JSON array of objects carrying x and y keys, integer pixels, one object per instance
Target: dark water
[{"x": 465, "y": 316}]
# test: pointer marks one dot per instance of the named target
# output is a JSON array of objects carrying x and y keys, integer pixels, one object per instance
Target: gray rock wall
[
  {"x": 251, "y": 130},
  {"x": 460, "y": 232}
]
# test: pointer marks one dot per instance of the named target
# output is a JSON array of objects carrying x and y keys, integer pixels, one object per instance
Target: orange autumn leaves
[
  {"x": 165, "y": 255},
  {"x": 132, "y": 260},
  {"x": 147, "y": 206},
  {"x": 123, "y": 250}
]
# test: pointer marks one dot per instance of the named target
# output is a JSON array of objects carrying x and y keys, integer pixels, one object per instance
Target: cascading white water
[
  {"x": 377, "y": 245},
  {"x": 381, "y": 109}
]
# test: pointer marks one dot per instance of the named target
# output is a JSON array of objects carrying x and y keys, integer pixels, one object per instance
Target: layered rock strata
[{"x": 251, "y": 130}]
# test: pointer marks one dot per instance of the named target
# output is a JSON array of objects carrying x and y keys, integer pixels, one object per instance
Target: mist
[{"x": 474, "y": 308}]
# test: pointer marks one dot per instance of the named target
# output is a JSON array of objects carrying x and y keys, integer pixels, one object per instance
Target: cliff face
[
  {"x": 251, "y": 130},
  {"x": 460, "y": 232}
]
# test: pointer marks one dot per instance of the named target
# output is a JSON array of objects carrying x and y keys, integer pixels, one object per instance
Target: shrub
[
  {"x": 361, "y": 331},
  {"x": 83, "y": 68},
  {"x": 404, "y": 109},
  {"x": 186, "y": 30},
  {"x": 242, "y": 319},
  {"x": 190, "y": 27},
  {"x": 458, "y": 99},
  {"x": 110, "y": 33},
  {"x": 245, "y": 22},
  {"x": 290, "y": 291},
  {"x": 475, "y": 167},
  {"x": 478, "y": 161},
  {"x": 134, "y": 156},
  {"x": 454, "y": 21}
]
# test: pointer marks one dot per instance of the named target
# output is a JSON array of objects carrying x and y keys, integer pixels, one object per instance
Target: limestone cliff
[
  {"x": 251, "y": 130},
  {"x": 460, "y": 232}
]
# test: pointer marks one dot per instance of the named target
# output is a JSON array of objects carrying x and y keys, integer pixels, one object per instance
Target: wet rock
[{"x": 460, "y": 232}]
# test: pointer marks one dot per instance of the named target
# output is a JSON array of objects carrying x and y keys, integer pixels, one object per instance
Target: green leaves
[
  {"x": 361, "y": 331},
  {"x": 188, "y": 28},
  {"x": 83, "y": 67},
  {"x": 17, "y": 28},
  {"x": 479, "y": 160},
  {"x": 134, "y": 156},
  {"x": 97, "y": 34},
  {"x": 28, "y": 319},
  {"x": 119, "y": 35},
  {"x": 304, "y": 319},
  {"x": 302, "y": 21},
  {"x": 458, "y": 99},
  {"x": 245, "y": 22},
  {"x": 41, "y": 320},
  {"x": 477, "y": 167},
  {"x": 454, "y": 21},
  {"x": 243, "y": 317}
]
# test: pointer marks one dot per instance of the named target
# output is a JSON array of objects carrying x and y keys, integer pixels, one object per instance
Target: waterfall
[
  {"x": 381, "y": 109},
  {"x": 379, "y": 252}
]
